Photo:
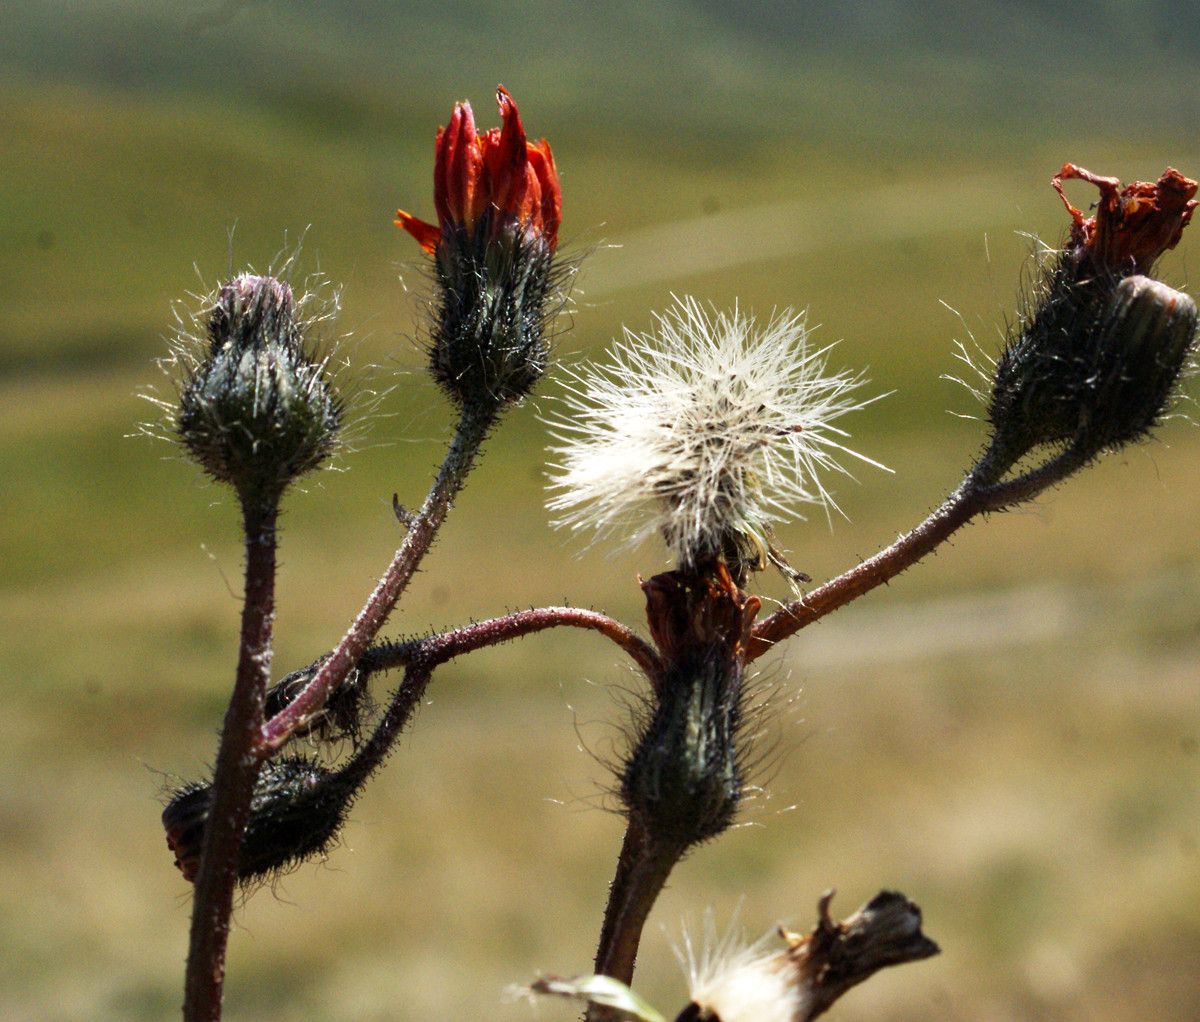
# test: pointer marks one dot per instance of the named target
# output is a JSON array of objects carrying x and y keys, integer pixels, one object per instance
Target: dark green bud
[
  {"x": 683, "y": 781},
  {"x": 495, "y": 297},
  {"x": 1094, "y": 367},
  {"x": 1146, "y": 340},
  {"x": 296, "y": 812},
  {"x": 256, "y": 409}
]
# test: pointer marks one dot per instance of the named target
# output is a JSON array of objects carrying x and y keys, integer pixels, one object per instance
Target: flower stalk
[
  {"x": 237, "y": 768},
  {"x": 438, "y": 649},
  {"x": 464, "y": 449},
  {"x": 682, "y": 780},
  {"x": 256, "y": 411}
]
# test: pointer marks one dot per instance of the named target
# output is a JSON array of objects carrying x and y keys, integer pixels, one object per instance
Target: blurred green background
[{"x": 1008, "y": 733}]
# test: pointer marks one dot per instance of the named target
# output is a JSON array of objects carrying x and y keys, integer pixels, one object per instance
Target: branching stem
[
  {"x": 464, "y": 448},
  {"x": 421, "y": 656},
  {"x": 437, "y": 649},
  {"x": 399, "y": 712},
  {"x": 974, "y": 497}
]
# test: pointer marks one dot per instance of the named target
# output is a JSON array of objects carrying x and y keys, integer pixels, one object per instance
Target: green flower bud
[
  {"x": 683, "y": 779},
  {"x": 487, "y": 346},
  {"x": 1093, "y": 360},
  {"x": 1146, "y": 340},
  {"x": 1095, "y": 368},
  {"x": 256, "y": 409}
]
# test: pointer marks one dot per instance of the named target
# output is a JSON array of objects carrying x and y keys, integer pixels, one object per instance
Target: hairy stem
[
  {"x": 400, "y": 710},
  {"x": 972, "y": 498},
  {"x": 437, "y": 649},
  {"x": 421, "y": 656},
  {"x": 236, "y": 770},
  {"x": 464, "y": 448}
]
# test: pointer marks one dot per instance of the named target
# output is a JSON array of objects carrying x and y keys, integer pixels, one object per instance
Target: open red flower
[
  {"x": 1132, "y": 226},
  {"x": 498, "y": 179}
]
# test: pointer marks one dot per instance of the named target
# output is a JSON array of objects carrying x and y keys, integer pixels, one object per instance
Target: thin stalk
[
  {"x": 972, "y": 498},
  {"x": 464, "y": 448},
  {"x": 437, "y": 649},
  {"x": 421, "y": 656},
  {"x": 236, "y": 771},
  {"x": 399, "y": 711}
]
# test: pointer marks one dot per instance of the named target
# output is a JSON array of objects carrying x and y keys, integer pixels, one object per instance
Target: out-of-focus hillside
[{"x": 1009, "y": 733}]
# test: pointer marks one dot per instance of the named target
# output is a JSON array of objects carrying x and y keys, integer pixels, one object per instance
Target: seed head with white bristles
[{"x": 708, "y": 429}]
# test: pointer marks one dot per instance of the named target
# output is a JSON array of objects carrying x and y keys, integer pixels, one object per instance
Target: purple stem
[
  {"x": 437, "y": 649},
  {"x": 972, "y": 498},
  {"x": 469, "y": 436},
  {"x": 236, "y": 771},
  {"x": 421, "y": 656},
  {"x": 643, "y": 868}
]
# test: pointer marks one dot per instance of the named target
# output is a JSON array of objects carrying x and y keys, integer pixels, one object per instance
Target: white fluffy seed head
[
  {"x": 707, "y": 429},
  {"x": 731, "y": 981}
]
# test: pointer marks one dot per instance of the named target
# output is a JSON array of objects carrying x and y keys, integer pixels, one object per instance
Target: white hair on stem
[{"x": 706, "y": 429}]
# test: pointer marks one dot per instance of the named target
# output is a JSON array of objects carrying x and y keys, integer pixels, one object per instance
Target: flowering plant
[{"x": 707, "y": 431}]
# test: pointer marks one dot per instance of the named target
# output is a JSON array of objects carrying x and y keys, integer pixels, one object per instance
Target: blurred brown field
[{"x": 1010, "y": 733}]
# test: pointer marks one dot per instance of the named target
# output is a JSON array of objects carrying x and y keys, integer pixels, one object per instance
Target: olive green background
[{"x": 1008, "y": 733}]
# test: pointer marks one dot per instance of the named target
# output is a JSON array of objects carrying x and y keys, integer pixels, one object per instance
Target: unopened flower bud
[
  {"x": 1145, "y": 341},
  {"x": 1099, "y": 378},
  {"x": 499, "y": 206},
  {"x": 256, "y": 409},
  {"x": 296, "y": 812}
]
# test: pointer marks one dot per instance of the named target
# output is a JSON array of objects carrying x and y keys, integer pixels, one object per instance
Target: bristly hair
[
  {"x": 1092, "y": 363},
  {"x": 316, "y": 302},
  {"x": 492, "y": 315},
  {"x": 296, "y": 814},
  {"x": 707, "y": 429}
]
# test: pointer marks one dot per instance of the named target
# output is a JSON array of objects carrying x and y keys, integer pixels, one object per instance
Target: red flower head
[
  {"x": 1132, "y": 226},
  {"x": 498, "y": 180}
]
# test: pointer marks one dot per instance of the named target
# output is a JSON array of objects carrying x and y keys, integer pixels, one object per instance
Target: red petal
[
  {"x": 462, "y": 164},
  {"x": 541, "y": 161},
  {"x": 428, "y": 235},
  {"x": 506, "y": 159},
  {"x": 441, "y": 160},
  {"x": 529, "y": 213}
]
